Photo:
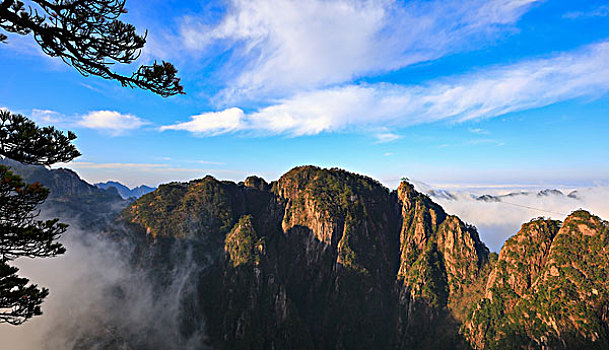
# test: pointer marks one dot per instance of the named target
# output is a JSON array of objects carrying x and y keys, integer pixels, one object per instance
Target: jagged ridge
[
  {"x": 343, "y": 261},
  {"x": 328, "y": 259},
  {"x": 548, "y": 288}
]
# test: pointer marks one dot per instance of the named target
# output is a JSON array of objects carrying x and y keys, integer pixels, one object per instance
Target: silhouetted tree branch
[{"x": 87, "y": 35}]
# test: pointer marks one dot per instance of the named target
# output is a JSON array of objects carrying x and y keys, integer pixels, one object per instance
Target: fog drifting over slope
[
  {"x": 95, "y": 292},
  {"x": 501, "y": 216}
]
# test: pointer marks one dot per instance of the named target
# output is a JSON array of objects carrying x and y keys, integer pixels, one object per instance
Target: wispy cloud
[
  {"x": 486, "y": 142},
  {"x": 212, "y": 123},
  {"x": 601, "y": 11},
  {"x": 46, "y": 116},
  {"x": 40, "y": 116},
  {"x": 139, "y": 166},
  {"x": 386, "y": 137},
  {"x": 478, "y": 131},
  {"x": 92, "y": 165},
  {"x": 487, "y": 93},
  {"x": 25, "y": 45},
  {"x": 278, "y": 47},
  {"x": 112, "y": 122}
]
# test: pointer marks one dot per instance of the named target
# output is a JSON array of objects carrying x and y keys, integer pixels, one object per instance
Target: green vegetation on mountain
[
  {"x": 549, "y": 288},
  {"x": 339, "y": 250},
  {"x": 441, "y": 260},
  {"x": 242, "y": 244},
  {"x": 328, "y": 259},
  {"x": 183, "y": 210},
  {"x": 341, "y": 209}
]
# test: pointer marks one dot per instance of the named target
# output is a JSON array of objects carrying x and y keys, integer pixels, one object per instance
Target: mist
[
  {"x": 99, "y": 299},
  {"x": 497, "y": 221}
]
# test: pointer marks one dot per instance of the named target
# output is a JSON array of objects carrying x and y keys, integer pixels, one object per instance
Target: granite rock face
[
  {"x": 548, "y": 288},
  {"x": 322, "y": 259}
]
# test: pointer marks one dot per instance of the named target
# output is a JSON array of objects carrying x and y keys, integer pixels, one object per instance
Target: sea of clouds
[{"x": 499, "y": 218}]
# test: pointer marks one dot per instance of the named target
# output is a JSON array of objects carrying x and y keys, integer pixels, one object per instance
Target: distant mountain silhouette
[{"x": 125, "y": 191}]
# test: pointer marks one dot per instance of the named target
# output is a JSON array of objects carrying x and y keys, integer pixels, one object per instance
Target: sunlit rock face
[
  {"x": 548, "y": 288},
  {"x": 321, "y": 258}
]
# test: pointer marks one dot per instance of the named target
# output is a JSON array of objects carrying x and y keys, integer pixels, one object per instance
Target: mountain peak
[
  {"x": 257, "y": 183},
  {"x": 548, "y": 288},
  {"x": 125, "y": 191}
]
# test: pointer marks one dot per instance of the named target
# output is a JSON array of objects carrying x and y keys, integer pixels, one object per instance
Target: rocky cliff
[
  {"x": 328, "y": 259},
  {"x": 322, "y": 259},
  {"x": 548, "y": 288},
  {"x": 70, "y": 198},
  {"x": 441, "y": 260}
]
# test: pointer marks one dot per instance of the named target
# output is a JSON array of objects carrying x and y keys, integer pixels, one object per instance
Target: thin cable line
[{"x": 524, "y": 206}]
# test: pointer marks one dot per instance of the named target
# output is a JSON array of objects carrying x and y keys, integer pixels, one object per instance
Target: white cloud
[
  {"x": 478, "y": 131},
  {"x": 497, "y": 221},
  {"x": 487, "y": 93},
  {"x": 212, "y": 123},
  {"x": 601, "y": 11},
  {"x": 280, "y": 46},
  {"x": 386, "y": 137},
  {"x": 46, "y": 116},
  {"x": 111, "y": 121}
]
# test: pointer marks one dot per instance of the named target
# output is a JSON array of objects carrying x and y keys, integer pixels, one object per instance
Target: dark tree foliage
[
  {"x": 18, "y": 301},
  {"x": 87, "y": 35},
  {"x": 21, "y": 235},
  {"x": 22, "y": 140}
]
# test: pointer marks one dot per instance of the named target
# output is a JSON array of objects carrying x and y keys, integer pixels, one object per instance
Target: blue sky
[{"x": 461, "y": 92}]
